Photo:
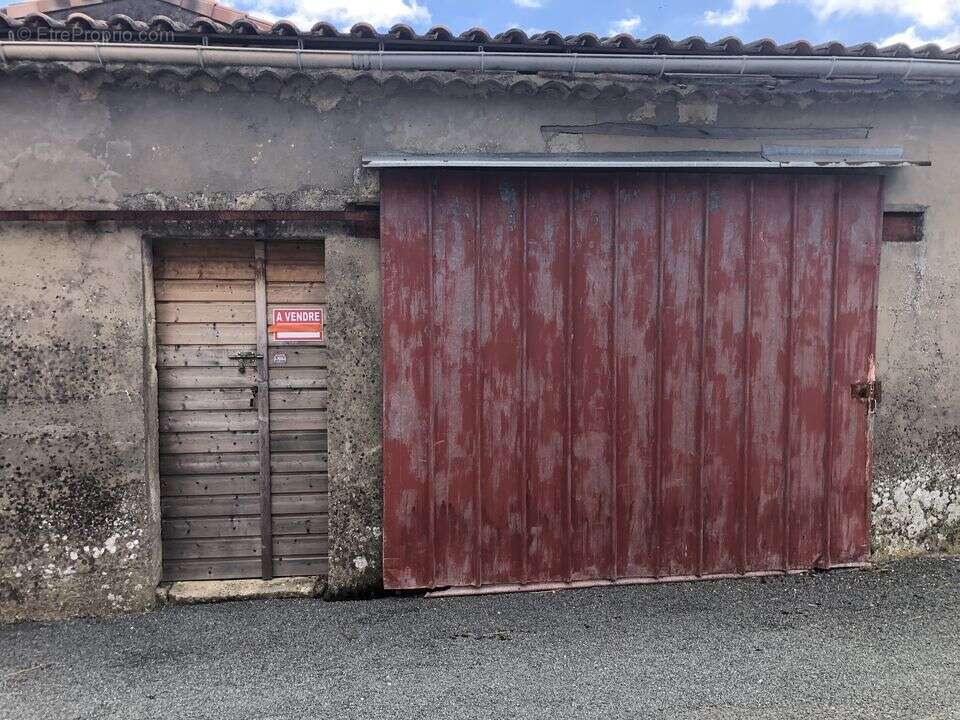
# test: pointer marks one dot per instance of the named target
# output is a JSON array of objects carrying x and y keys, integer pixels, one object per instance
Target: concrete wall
[
  {"x": 355, "y": 437},
  {"x": 76, "y": 513},
  {"x": 126, "y": 137}
]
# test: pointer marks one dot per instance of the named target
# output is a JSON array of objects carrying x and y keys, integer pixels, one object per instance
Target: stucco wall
[
  {"x": 129, "y": 137},
  {"x": 75, "y": 510},
  {"x": 355, "y": 438}
]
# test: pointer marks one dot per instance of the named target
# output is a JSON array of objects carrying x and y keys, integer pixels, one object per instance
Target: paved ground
[{"x": 883, "y": 643}]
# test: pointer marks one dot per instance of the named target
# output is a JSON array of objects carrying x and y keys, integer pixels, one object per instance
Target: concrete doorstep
[{"x": 192, "y": 592}]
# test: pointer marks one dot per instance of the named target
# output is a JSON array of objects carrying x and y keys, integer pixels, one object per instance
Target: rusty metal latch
[
  {"x": 245, "y": 359},
  {"x": 868, "y": 392}
]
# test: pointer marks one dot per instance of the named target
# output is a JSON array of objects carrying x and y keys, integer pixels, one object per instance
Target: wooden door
[
  {"x": 617, "y": 377},
  {"x": 243, "y": 431}
]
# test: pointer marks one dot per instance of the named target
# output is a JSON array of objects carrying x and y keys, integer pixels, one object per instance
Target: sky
[{"x": 914, "y": 22}]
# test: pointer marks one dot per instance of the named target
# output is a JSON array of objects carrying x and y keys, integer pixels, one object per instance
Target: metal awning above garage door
[
  {"x": 768, "y": 157},
  {"x": 623, "y": 376}
]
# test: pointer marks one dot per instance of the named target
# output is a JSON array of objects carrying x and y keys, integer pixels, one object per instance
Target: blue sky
[{"x": 850, "y": 21}]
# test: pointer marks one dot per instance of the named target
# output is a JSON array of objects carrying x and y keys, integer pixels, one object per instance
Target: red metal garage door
[{"x": 613, "y": 376}]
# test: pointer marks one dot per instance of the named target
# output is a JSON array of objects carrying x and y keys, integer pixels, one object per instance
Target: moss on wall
[{"x": 74, "y": 514}]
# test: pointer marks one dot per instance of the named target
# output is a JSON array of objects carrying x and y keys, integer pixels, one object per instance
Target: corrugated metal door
[
  {"x": 243, "y": 438},
  {"x": 624, "y": 376}
]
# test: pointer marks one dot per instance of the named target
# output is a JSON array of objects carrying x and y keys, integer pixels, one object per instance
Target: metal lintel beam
[{"x": 365, "y": 220}]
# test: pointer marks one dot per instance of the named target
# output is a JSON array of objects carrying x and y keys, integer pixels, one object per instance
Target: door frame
[{"x": 198, "y": 230}]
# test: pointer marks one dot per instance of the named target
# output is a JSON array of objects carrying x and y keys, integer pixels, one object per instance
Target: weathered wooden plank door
[
  {"x": 625, "y": 376},
  {"x": 242, "y": 422}
]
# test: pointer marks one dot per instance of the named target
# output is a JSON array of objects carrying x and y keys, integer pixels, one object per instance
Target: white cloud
[
  {"x": 926, "y": 13},
  {"x": 628, "y": 25},
  {"x": 911, "y": 37},
  {"x": 342, "y": 13},
  {"x": 528, "y": 3},
  {"x": 929, "y": 13},
  {"x": 530, "y": 31},
  {"x": 738, "y": 13}
]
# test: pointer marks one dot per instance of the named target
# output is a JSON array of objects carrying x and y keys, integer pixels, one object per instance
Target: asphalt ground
[{"x": 878, "y": 643}]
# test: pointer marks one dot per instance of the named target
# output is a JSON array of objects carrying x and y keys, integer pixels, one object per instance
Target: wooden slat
[
  {"x": 303, "y": 546},
  {"x": 300, "y": 482},
  {"x": 243, "y": 526},
  {"x": 184, "y": 247},
  {"x": 231, "y": 505},
  {"x": 239, "y": 463},
  {"x": 210, "y": 569},
  {"x": 210, "y": 506},
  {"x": 313, "y": 293},
  {"x": 298, "y": 399},
  {"x": 173, "y": 378},
  {"x": 204, "y": 290},
  {"x": 188, "y": 268},
  {"x": 183, "y": 485},
  {"x": 219, "y": 312},
  {"x": 308, "y": 545},
  {"x": 284, "y": 378},
  {"x": 207, "y": 420},
  {"x": 245, "y": 547},
  {"x": 209, "y": 464},
  {"x": 292, "y": 344},
  {"x": 298, "y": 462},
  {"x": 219, "y": 356},
  {"x": 186, "y": 485},
  {"x": 297, "y": 356},
  {"x": 201, "y": 355},
  {"x": 206, "y": 399},
  {"x": 239, "y": 420},
  {"x": 298, "y": 420},
  {"x": 219, "y": 442},
  {"x": 299, "y": 441},
  {"x": 298, "y": 250},
  {"x": 236, "y": 569},
  {"x": 205, "y": 333},
  {"x": 295, "y": 272}
]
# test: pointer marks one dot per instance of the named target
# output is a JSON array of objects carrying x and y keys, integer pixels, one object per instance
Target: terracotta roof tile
[{"x": 216, "y": 19}]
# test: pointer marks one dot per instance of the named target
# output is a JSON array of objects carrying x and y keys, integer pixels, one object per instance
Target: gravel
[{"x": 880, "y": 643}]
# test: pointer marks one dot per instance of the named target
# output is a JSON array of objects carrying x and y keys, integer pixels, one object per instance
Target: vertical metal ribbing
[
  {"x": 788, "y": 389},
  {"x": 831, "y": 361},
  {"x": 658, "y": 384},
  {"x": 747, "y": 404},
  {"x": 614, "y": 402},
  {"x": 702, "y": 405},
  {"x": 524, "y": 408},
  {"x": 431, "y": 270},
  {"x": 568, "y": 324},
  {"x": 478, "y": 394}
]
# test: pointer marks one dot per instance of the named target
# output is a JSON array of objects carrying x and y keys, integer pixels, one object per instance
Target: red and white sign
[{"x": 304, "y": 324}]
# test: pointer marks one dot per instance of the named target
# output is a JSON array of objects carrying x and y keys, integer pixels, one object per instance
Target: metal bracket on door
[
  {"x": 245, "y": 359},
  {"x": 868, "y": 392}
]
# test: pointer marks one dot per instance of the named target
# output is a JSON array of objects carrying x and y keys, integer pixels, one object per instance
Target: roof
[
  {"x": 215, "y": 11},
  {"x": 220, "y": 25}
]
